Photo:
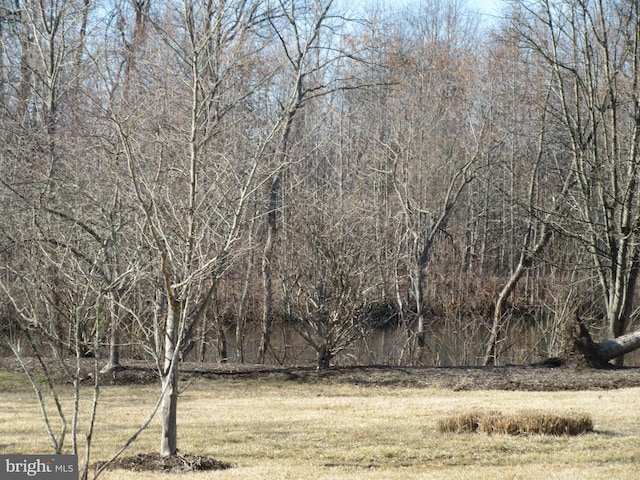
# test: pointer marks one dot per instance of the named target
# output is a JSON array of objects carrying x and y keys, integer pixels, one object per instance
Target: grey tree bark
[{"x": 617, "y": 347}]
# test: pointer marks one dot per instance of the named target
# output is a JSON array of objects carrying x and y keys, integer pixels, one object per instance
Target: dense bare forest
[{"x": 292, "y": 182}]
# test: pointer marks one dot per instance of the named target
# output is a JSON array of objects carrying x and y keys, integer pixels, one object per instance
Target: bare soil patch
[
  {"x": 539, "y": 377},
  {"x": 513, "y": 377}
]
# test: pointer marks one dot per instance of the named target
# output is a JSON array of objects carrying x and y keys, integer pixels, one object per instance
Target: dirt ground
[
  {"x": 527, "y": 378},
  {"x": 153, "y": 462},
  {"x": 511, "y": 377},
  {"x": 514, "y": 377}
]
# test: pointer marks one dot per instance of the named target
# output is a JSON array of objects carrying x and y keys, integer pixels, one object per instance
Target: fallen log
[
  {"x": 581, "y": 350},
  {"x": 610, "y": 349}
]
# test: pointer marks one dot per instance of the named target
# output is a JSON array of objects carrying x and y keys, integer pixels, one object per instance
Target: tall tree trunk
[
  {"x": 169, "y": 438},
  {"x": 324, "y": 357},
  {"x": 267, "y": 282},
  {"x": 202, "y": 340},
  {"x": 222, "y": 342},
  {"x": 113, "y": 363},
  {"x": 419, "y": 291},
  {"x": 241, "y": 312}
]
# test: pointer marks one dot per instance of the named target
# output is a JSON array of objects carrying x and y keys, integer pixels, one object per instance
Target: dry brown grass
[
  {"x": 532, "y": 423},
  {"x": 461, "y": 423},
  {"x": 316, "y": 432},
  {"x": 524, "y": 423}
]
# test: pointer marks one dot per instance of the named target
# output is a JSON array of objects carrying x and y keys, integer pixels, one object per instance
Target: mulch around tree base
[{"x": 153, "y": 462}]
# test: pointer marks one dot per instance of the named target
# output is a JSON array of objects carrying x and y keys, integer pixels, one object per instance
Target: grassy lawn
[{"x": 278, "y": 430}]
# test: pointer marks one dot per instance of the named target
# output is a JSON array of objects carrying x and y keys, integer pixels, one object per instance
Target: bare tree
[
  {"x": 192, "y": 193},
  {"x": 591, "y": 48},
  {"x": 327, "y": 285},
  {"x": 541, "y": 212},
  {"x": 435, "y": 148},
  {"x": 308, "y": 38},
  {"x": 30, "y": 284}
]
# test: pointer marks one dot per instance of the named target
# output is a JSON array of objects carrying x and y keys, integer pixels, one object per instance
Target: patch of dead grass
[
  {"x": 534, "y": 423},
  {"x": 462, "y": 423},
  {"x": 524, "y": 423}
]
